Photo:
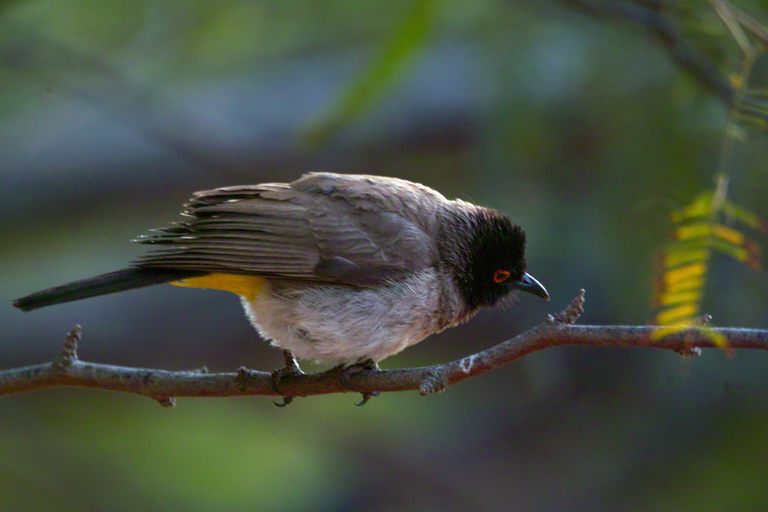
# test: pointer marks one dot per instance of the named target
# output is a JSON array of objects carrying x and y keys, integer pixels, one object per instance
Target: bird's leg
[
  {"x": 291, "y": 368},
  {"x": 368, "y": 364}
]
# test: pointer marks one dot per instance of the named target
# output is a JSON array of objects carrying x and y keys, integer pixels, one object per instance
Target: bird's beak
[{"x": 530, "y": 285}]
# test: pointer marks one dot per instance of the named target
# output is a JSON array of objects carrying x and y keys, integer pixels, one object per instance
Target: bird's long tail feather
[{"x": 112, "y": 282}]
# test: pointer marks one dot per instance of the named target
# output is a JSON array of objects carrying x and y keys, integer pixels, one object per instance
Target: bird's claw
[
  {"x": 291, "y": 368},
  {"x": 286, "y": 400},
  {"x": 366, "y": 397},
  {"x": 368, "y": 365}
]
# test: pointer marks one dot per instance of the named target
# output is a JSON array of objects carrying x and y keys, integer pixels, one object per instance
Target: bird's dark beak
[{"x": 530, "y": 285}]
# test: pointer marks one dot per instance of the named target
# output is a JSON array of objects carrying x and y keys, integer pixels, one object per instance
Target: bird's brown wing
[{"x": 286, "y": 231}]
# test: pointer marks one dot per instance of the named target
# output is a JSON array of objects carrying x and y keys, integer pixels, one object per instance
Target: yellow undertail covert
[{"x": 245, "y": 286}]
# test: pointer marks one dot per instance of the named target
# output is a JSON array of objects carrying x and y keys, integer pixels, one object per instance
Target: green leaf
[{"x": 388, "y": 66}]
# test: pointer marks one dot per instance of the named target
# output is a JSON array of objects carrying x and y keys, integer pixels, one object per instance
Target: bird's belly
[{"x": 334, "y": 324}]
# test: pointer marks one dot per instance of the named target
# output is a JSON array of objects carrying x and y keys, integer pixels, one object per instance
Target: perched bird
[{"x": 342, "y": 269}]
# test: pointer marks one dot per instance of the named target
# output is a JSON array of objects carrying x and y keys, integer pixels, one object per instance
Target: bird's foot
[
  {"x": 291, "y": 368},
  {"x": 347, "y": 372}
]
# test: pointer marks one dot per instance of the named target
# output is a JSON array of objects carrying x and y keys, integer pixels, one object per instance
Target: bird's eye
[{"x": 500, "y": 276}]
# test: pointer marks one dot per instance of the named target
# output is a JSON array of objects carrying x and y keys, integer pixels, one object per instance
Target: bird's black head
[{"x": 492, "y": 263}]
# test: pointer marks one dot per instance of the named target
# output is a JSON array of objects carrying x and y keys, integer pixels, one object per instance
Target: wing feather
[{"x": 313, "y": 229}]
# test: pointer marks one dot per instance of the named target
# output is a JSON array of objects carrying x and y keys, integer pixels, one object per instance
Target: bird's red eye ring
[{"x": 500, "y": 276}]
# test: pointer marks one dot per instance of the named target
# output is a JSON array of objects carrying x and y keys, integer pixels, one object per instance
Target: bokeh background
[{"x": 579, "y": 127}]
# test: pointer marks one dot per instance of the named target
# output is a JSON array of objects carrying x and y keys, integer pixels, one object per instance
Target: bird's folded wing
[{"x": 276, "y": 231}]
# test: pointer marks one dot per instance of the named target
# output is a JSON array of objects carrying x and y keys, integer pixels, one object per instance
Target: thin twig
[
  {"x": 163, "y": 385},
  {"x": 653, "y": 17},
  {"x": 748, "y": 21}
]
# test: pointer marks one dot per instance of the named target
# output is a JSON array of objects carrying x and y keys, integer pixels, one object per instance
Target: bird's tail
[{"x": 119, "y": 281}]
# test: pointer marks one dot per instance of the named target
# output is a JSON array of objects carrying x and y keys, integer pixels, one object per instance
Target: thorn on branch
[
  {"x": 68, "y": 354},
  {"x": 571, "y": 313}
]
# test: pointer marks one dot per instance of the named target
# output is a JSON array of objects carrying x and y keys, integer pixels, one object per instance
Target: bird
[{"x": 341, "y": 269}]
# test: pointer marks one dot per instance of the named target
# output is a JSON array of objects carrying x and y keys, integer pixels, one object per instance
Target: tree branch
[
  {"x": 654, "y": 16},
  {"x": 161, "y": 385}
]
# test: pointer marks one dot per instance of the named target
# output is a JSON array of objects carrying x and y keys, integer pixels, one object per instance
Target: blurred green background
[{"x": 580, "y": 128}]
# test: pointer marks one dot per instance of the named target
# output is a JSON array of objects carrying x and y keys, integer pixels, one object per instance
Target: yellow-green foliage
[
  {"x": 712, "y": 223},
  {"x": 707, "y": 225}
]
